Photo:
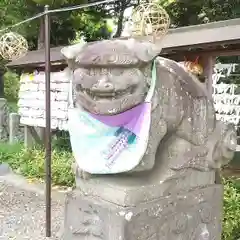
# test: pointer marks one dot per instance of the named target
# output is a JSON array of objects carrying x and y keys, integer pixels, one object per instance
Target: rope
[{"x": 24, "y": 21}]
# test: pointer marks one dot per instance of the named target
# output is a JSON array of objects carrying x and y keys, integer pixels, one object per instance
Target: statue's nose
[{"x": 103, "y": 85}]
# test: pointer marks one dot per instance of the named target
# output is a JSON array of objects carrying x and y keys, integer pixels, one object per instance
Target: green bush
[
  {"x": 30, "y": 163},
  {"x": 11, "y": 86},
  {"x": 231, "y": 216},
  {"x": 61, "y": 141},
  {"x": 13, "y": 107}
]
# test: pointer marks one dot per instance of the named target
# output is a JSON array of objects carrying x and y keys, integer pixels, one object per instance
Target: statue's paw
[
  {"x": 226, "y": 146},
  {"x": 84, "y": 175},
  {"x": 79, "y": 173}
]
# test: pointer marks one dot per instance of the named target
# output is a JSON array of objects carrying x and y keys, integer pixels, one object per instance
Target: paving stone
[
  {"x": 22, "y": 214},
  {"x": 4, "y": 169}
]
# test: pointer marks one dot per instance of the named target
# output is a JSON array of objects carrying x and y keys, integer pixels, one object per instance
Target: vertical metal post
[
  {"x": 1, "y": 84},
  {"x": 48, "y": 121}
]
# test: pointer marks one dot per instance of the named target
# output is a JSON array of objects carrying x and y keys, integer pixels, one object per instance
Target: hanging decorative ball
[
  {"x": 150, "y": 19},
  {"x": 13, "y": 46}
]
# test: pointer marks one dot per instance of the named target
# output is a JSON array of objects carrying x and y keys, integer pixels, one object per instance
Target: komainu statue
[{"x": 147, "y": 146}]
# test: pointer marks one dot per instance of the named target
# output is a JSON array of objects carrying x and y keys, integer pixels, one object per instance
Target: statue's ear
[
  {"x": 143, "y": 50},
  {"x": 71, "y": 52}
]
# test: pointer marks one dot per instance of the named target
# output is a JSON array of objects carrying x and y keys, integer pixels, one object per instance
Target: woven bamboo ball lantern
[
  {"x": 150, "y": 19},
  {"x": 13, "y": 46}
]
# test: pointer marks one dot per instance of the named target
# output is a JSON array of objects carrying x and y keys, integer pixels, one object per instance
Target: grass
[{"x": 30, "y": 163}]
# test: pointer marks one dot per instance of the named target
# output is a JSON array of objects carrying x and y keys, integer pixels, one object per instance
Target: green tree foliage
[
  {"x": 91, "y": 24},
  {"x": 64, "y": 25},
  {"x": 188, "y": 12},
  {"x": 118, "y": 9},
  {"x": 11, "y": 86},
  {"x": 14, "y": 11}
]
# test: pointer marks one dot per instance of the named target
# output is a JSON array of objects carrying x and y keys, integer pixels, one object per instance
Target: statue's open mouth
[
  {"x": 110, "y": 99},
  {"x": 105, "y": 94}
]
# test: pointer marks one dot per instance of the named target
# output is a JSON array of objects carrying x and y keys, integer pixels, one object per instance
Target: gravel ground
[{"x": 22, "y": 214}]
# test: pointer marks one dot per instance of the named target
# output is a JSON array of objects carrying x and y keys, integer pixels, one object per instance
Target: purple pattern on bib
[{"x": 132, "y": 119}]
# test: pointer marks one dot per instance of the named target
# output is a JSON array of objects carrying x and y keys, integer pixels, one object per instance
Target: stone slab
[
  {"x": 5, "y": 169},
  {"x": 22, "y": 210},
  {"x": 194, "y": 215},
  {"x": 129, "y": 190}
]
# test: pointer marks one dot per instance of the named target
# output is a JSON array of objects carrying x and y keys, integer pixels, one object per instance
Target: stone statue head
[{"x": 109, "y": 75}]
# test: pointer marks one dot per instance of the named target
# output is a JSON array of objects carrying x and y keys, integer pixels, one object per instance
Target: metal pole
[
  {"x": 1, "y": 84},
  {"x": 48, "y": 122}
]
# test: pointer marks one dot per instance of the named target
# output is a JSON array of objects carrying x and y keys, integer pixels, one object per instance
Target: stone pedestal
[
  {"x": 194, "y": 214},
  {"x": 14, "y": 122},
  {"x": 3, "y": 119}
]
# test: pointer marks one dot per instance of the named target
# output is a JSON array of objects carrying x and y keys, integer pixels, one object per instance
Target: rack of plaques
[
  {"x": 32, "y": 99},
  {"x": 226, "y": 94}
]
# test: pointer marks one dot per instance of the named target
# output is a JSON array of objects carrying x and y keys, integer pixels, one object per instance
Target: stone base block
[{"x": 193, "y": 215}]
